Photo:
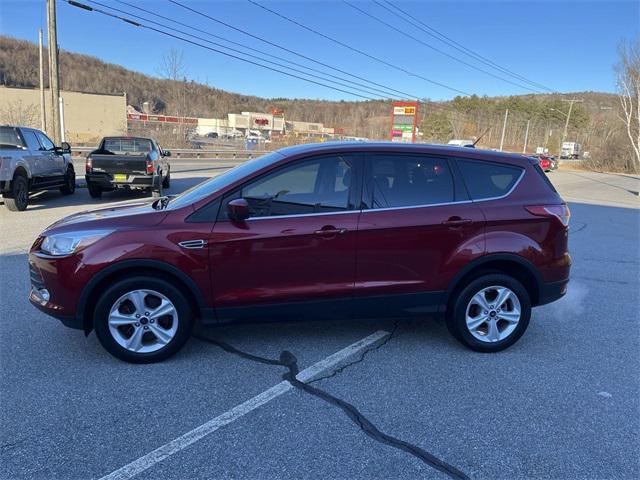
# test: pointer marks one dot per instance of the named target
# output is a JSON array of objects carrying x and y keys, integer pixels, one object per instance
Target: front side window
[
  {"x": 310, "y": 186},
  {"x": 410, "y": 180},
  {"x": 46, "y": 143},
  {"x": 488, "y": 180}
]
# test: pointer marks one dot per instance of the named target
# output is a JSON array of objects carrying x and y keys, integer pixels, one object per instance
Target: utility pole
[
  {"x": 526, "y": 137},
  {"x": 566, "y": 123},
  {"x": 43, "y": 115},
  {"x": 54, "y": 74},
  {"x": 504, "y": 128}
]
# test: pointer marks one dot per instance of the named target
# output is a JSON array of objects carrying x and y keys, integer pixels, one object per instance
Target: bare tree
[
  {"x": 628, "y": 76},
  {"x": 19, "y": 113},
  {"x": 173, "y": 68}
]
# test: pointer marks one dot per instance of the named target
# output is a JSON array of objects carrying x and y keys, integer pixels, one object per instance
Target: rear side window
[
  {"x": 32, "y": 141},
  {"x": 410, "y": 180},
  {"x": 9, "y": 138},
  {"x": 486, "y": 180}
]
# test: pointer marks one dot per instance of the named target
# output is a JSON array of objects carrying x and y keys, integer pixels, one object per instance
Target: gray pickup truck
[{"x": 30, "y": 162}]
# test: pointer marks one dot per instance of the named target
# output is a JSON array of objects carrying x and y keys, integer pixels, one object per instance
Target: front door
[
  {"x": 295, "y": 256},
  {"x": 420, "y": 228},
  {"x": 53, "y": 163}
]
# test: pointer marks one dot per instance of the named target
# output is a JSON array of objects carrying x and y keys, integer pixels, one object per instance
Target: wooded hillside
[{"x": 593, "y": 122}]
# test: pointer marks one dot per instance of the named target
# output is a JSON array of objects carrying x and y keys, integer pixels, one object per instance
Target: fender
[
  {"x": 486, "y": 259},
  {"x": 205, "y": 312}
]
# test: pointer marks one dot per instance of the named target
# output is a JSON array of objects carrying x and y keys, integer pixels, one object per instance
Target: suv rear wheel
[
  {"x": 142, "y": 319},
  {"x": 17, "y": 198},
  {"x": 490, "y": 314}
]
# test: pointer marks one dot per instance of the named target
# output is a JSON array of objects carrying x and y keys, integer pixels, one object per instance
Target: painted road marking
[{"x": 174, "y": 446}]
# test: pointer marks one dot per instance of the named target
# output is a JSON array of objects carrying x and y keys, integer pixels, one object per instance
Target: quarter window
[
  {"x": 402, "y": 181},
  {"x": 312, "y": 186},
  {"x": 488, "y": 180}
]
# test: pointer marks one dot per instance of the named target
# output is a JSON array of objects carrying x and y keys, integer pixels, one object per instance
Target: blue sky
[{"x": 568, "y": 46}]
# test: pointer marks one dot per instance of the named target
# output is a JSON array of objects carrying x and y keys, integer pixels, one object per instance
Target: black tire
[
  {"x": 116, "y": 291},
  {"x": 17, "y": 199},
  {"x": 69, "y": 181},
  {"x": 456, "y": 314},
  {"x": 156, "y": 191},
  {"x": 166, "y": 182},
  {"x": 94, "y": 191}
]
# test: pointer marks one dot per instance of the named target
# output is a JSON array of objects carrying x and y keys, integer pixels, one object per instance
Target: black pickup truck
[{"x": 128, "y": 162}]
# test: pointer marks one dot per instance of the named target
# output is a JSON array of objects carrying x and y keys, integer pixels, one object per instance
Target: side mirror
[
  {"x": 166, "y": 153},
  {"x": 238, "y": 209},
  {"x": 66, "y": 148}
]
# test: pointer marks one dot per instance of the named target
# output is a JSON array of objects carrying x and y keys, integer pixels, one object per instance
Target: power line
[
  {"x": 354, "y": 49},
  {"x": 238, "y": 51},
  {"x": 244, "y": 32},
  {"x": 442, "y": 52},
  {"x": 162, "y": 32},
  {"x": 248, "y": 47},
  {"x": 461, "y": 48}
]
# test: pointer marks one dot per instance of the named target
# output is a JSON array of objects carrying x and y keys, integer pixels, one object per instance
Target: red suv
[{"x": 325, "y": 231}]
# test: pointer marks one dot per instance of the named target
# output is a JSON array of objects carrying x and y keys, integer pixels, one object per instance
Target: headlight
[{"x": 67, "y": 243}]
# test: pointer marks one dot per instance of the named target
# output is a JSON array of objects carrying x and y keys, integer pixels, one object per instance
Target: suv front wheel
[
  {"x": 490, "y": 314},
  {"x": 142, "y": 319}
]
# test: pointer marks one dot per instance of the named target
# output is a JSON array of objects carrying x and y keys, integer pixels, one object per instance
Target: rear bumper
[
  {"x": 552, "y": 291},
  {"x": 107, "y": 182}
]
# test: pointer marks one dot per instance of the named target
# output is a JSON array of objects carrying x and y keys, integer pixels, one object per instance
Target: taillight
[
  {"x": 149, "y": 167},
  {"x": 88, "y": 167},
  {"x": 561, "y": 212}
]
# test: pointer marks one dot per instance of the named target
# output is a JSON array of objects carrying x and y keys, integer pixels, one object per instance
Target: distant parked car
[
  {"x": 130, "y": 163},
  {"x": 321, "y": 231},
  {"x": 461, "y": 143},
  {"x": 30, "y": 163},
  {"x": 212, "y": 135},
  {"x": 546, "y": 162}
]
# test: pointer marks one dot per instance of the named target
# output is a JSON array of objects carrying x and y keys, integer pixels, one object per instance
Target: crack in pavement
[{"x": 289, "y": 361}]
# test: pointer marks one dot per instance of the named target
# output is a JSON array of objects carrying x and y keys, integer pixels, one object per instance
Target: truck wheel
[
  {"x": 490, "y": 313},
  {"x": 166, "y": 183},
  {"x": 94, "y": 191},
  {"x": 143, "y": 319},
  {"x": 69, "y": 182},
  {"x": 156, "y": 192},
  {"x": 17, "y": 198}
]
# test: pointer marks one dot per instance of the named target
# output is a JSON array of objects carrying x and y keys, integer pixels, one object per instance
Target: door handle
[
  {"x": 329, "y": 231},
  {"x": 457, "y": 222}
]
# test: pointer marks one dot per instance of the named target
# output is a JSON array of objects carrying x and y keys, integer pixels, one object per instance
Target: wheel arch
[
  {"x": 510, "y": 264},
  {"x": 127, "y": 268}
]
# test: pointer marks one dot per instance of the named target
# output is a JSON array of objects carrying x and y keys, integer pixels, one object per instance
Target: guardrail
[{"x": 191, "y": 153}]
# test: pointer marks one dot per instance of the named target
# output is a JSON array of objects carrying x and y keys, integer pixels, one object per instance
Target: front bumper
[
  {"x": 55, "y": 283},
  {"x": 107, "y": 181}
]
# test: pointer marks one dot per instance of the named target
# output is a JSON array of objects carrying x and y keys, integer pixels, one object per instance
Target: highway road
[{"x": 561, "y": 403}]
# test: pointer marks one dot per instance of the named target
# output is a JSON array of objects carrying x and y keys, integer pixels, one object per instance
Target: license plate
[{"x": 119, "y": 177}]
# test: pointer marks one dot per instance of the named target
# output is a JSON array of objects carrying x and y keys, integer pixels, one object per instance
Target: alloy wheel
[
  {"x": 493, "y": 314},
  {"x": 143, "y": 321}
]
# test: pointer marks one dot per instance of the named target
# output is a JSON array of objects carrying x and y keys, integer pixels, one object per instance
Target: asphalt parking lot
[{"x": 564, "y": 402}]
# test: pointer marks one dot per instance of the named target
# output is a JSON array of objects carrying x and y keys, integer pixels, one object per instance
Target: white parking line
[{"x": 174, "y": 446}]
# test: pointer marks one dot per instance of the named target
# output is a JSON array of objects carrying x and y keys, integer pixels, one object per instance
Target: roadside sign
[{"x": 404, "y": 116}]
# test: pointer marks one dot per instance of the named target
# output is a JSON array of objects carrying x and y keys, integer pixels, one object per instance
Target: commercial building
[{"x": 86, "y": 117}]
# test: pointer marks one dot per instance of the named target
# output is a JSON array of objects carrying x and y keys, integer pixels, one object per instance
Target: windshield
[
  {"x": 208, "y": 187},
  {"x": 127, "y": 145}
]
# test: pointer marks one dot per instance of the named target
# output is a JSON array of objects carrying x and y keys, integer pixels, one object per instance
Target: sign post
[{"x": 404, "y": 116}]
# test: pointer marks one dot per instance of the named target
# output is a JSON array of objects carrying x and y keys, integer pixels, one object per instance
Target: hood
[{"x": 129, "y": 215}]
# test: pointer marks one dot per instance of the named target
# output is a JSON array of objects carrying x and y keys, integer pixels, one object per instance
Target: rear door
[
  {"x": 297, "y": 246},
  {"x": 420, "y": 228},
  {"x": 35, "y": 159}
]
